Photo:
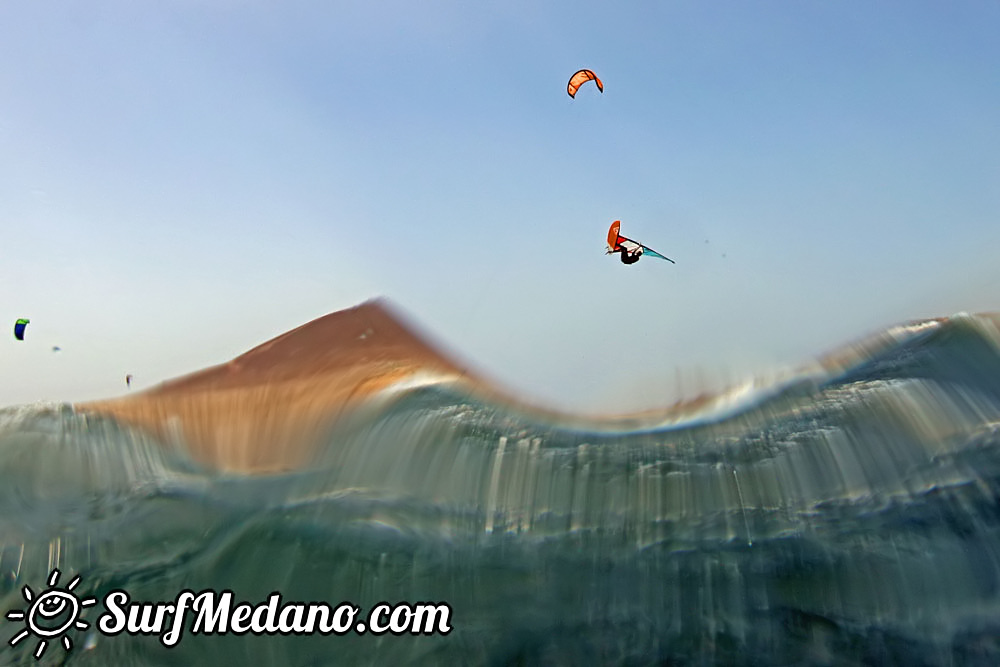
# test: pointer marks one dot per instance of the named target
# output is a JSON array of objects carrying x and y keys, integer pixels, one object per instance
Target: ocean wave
[{"x": 844, "y": 513}]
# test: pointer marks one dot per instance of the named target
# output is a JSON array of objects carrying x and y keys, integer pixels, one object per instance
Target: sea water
[{"x": 844, "y": 516}]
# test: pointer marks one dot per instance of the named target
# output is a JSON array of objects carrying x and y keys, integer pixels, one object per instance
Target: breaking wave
[{"x": 848, "y": 514}]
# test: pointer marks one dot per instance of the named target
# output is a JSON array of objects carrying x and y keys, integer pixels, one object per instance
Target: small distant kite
[
  {"x": 19, "y": 328},
  {"x": 580, "y": 78},
  {"x": 128, "y": 380},
  {"x": 631, "y": 250},
  {"x": 56, "y": 348}
]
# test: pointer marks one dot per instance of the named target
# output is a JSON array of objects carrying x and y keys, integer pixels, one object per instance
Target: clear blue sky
[{"x": 181, "y": 181}]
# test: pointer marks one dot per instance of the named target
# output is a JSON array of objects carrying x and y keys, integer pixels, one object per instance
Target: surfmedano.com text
[{"x": 216, "y": 614}]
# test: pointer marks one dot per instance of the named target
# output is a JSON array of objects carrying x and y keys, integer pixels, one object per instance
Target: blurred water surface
[{"x": 845, "y": 516}]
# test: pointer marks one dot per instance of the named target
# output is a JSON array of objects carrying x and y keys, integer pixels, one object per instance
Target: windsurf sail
[
  {"x": 616, "y": 242},
  {"x": 19, "y": 327}
]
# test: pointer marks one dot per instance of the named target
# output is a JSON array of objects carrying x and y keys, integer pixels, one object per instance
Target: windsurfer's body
[{"x": 628, "y": 256}]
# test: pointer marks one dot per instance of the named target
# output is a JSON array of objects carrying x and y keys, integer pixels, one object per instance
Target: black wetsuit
[{"x": 630, "y": 258}]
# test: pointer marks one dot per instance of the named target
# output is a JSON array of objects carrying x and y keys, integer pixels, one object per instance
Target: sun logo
[{"x": 51, "y": 613}]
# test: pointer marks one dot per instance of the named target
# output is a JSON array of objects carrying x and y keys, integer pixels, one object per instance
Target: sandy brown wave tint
[{"x": 266, "y": 409}]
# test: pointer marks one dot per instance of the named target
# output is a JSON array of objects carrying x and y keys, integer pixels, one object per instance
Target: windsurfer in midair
[{"x": 631, "y": 251}]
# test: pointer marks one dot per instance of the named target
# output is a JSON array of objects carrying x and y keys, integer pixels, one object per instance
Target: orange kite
[{"x": 580, "y": 78}]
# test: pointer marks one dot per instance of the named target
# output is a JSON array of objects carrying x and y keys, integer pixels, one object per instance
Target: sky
[{"x": 182, "y": 181}]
